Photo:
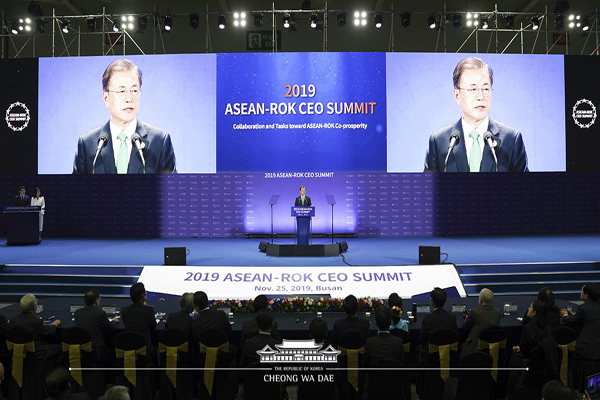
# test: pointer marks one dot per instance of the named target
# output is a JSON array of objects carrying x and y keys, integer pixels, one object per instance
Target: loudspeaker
[
  {"x": 262, "y": 246},
  {"x": 175, "y": 256},
  {"x": 429, "y": 254},
  {"x": 343, "y": 247}
]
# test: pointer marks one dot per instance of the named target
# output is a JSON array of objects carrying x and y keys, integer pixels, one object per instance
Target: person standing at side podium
[
  {"x": 38, "y": 200},
  {"x": 21, "y": 200},
  {"x": 303, "y": 200}
]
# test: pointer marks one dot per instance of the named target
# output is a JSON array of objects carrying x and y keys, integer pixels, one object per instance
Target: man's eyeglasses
[
  {"x": 486, "y": 91},
  {"x": 135, "y": 93}
]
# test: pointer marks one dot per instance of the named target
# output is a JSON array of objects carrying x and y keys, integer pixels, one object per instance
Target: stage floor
[{"x": 463, "y": 250}]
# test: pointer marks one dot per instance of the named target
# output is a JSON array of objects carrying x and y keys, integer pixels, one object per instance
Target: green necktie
[
  {"x": 123, "y": 157},
  {"x": 302, "y": 200},
  {"x": 475, "y": 158}
]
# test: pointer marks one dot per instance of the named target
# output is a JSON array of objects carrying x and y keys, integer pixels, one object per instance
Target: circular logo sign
[
  {"x": 17, "y": 116},
  {"x": 584, "y": 113}
]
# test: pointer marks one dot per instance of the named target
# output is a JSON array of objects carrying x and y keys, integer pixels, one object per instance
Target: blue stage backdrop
[{"x": 299, "y": 112}]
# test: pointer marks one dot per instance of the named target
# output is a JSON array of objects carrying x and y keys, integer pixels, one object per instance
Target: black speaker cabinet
[
  {"x": 175, "y": 256},
  {"x": 343, "y": 246},
  {"x": 262, "y": 246},
  {"x": 429, "y": 254}
]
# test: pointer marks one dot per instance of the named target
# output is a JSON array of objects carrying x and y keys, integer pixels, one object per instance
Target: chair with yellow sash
[
  {"x": 492, "y": 340},
  {"x": 25, "y": 380},
  {"x": 213, "y": 352},
  {"x": 565, "y": 338},
  {"x": 130, "y": 349},
  {"x": 173, "y": 350},
  {"x": 405, "y": 377},
  {"x": 350, "y": 381},
  {"x": 382, "y": 381},
  {"x": 473, "y": 381},
  {"x": 77, "y": 354},
  {"x": 443, "y": 354}
]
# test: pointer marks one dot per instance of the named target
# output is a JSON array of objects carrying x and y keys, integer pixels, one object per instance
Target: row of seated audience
[{"x": 348, "y": 334}]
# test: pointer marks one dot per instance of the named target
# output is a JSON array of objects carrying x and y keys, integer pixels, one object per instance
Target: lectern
[
  {"x": 22, "y": 225},
  {"x": 303, "y": 216}
]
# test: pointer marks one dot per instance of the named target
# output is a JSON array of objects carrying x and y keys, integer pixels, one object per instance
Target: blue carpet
[{"x": 244, "y": 252}]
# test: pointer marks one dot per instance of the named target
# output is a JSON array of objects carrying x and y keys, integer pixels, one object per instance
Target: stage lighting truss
[
  {"x": 239, "y": 19},
  {"x": 379, "y": 21},
  {"x": 314, "y": 20},
  {"x": 360, "y": 18},
  {"x": 221, "y": 21}
]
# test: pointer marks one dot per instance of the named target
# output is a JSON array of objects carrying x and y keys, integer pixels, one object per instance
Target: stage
[{"x": 507, "y": 264}]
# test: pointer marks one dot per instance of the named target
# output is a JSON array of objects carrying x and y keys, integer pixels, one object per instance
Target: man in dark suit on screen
[
  {"x": 475, "y": 131},
  {"x": 94, "y": 320},
  {"x": 113, "y": 148},
  {"x": 22, "y": 200},
  {"x": 303, "y": 200}
]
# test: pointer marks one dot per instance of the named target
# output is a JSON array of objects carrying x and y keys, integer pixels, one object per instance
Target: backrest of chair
[
  {"x": 353, "y": 340},
  {"x": 443, "y": 337},
  {"x": 213, "y": 338},
  {"x": 256, "y": 387},
  {"x": 384, "y": 383},
  {"x": 565, "y": 338},
  {"x": 564, "y": 335},
  {"x": 493, "y": 334},
  {"x": 476, "y": 382},
  {"x": 75, "y": 335},
  {"x": 405, "y": 336},
  {"x": 18, "y": 334},
  {"x": 540, "y": 370},
  {"x": 173, "y": 337},
  {"x": 130, "y": 340}
]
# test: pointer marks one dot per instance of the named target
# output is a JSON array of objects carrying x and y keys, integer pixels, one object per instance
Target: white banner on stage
[{"x": 220, "y": 282}]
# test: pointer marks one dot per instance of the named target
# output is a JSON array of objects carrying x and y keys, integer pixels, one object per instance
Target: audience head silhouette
[
  {"x": 264, "y": 320},
  {"x": 137, "y": 292},
  {"x": 318, "y": 330},
  {"x": 383, "y": 318},
  {"x": 350, "y": 305},
  {"x": 200, "y": 300},
  {"x": 438, "y": 297}
]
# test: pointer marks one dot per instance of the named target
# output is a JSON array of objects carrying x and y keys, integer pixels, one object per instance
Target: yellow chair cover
[
  {"x": 210, "y": 361},
  {"x": 494, "y": 352},
  {"x": 172, "y": 356},
  {"x": 75, "y": 358},
  {"x": 444, "y": 351},
  {"x": 19, "y": 353},
  {"x": 564, "y": 365},
  {"x": 352, "y": 355},
  {"x": 128, "y": 357}
]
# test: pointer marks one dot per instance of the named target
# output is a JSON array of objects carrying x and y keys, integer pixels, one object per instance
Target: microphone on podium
[
  {"x": 102, "y": 141},
  {"x": 454, "y": 140},
  {"x": 137, "y": 141}
]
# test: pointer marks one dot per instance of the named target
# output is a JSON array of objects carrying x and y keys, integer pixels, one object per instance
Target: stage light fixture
[
  {"x": 168, "y": 23},
  {"x": 431, "y": 21},
  {"x": 194, "y": 21},
  {"x": 65, "y": 26},
  {"x": 91, "y": 24},
  {"x": 360, "y": 18},
  {"x": 535, "y": 23},
  {"x": 559, "y": 22},
  {"x": 221, "y": 21},
  {"x": 314, "y": 21},
  {"x": 378, "y": 21},
  {"x": 142, "y": 23},
  {"x": 14, "y": 29},
  {"x": 258, "y": 20},
  {"x": 341, "y": 19},
  {"x": 405, "y": 19},
  {"x": 561, "y": 7},
  {"x": 484, "y": 23},
  {"x": 509, "y": 21},
  {"x": 457, "y": 20},
  {"x": 115, "y": 26},
  {"x": 286, "y": 21},
  {"x": 35, "y": 9},
  {"x": 239, "y": 19},
  {"x": 585, "y": 24},
  {"x": 41, "y": 26}
]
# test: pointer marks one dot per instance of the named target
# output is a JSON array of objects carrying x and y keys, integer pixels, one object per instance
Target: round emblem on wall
[
  {"x": 17, "y": 116},
  {"x": 584, "y": 113}
]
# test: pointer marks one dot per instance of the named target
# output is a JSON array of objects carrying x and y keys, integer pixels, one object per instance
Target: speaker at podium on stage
[{"x": 303, "y": 211}]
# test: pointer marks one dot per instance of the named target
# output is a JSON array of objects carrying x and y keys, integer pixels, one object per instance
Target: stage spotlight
[
  {"x": 35, "y": 9},
  {"x": 41, "y": 26},
  {"x": 239, "y": 19},
  {"x": 509, "y": 21},
  {"x": 379, "y": 21},
  {"x": 585, "y": 24},
  {"x": 457, "y": 20},
  {"x": 142, "y": 23},
  {"x": 562, "y": 6},
  {"x": 194, "y": 21},
  {"x": 484, "y": 23},
  {"x": 360, "y": 18},
  {"x": 559, "y": 22},
  {"x": 258, "y": 20},
  {"x": 341, "y": 19},
  {"x": 168, "y": 23},
  {"x": 14, "y": 28},
  {"x": 91, "y": 24},
  {"x": 314, "y": 21},
  {"x": 221, "y": 21},
  {"x": 535, "y": 23},
  {"x": 405, "y": 19},
  {"x": 431, "y": 21},
  {"x": 65, "y": 26},
  {"x": 286, "y": 21}
]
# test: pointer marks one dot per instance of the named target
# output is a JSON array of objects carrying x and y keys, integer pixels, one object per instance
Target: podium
[
  {"x": 303, "y": 216},
  {"x": 22, "y": 224}
]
